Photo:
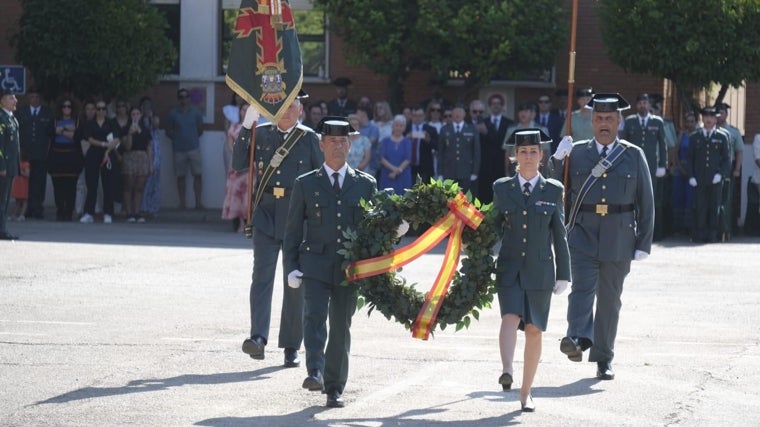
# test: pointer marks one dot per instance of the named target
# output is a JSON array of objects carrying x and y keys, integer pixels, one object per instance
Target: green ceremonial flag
[{"x": 265, "y": 68}]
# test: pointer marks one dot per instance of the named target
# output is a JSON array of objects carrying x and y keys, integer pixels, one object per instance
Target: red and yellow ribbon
[{"x": 461, "y": 214}]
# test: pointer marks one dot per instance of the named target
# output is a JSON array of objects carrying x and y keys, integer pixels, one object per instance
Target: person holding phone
[{"x": 137, "y": 165}]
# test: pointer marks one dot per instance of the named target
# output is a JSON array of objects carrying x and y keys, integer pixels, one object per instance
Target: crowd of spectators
[
  {"x": 404, "y": 146},
  {"x": 97, "y": 154},
  {"x": 103, "y": 153}
]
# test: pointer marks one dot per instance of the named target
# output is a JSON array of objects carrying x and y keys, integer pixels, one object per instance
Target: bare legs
[
  {"x": 134, "y": 185},
  {"x": 507, "y": 344}
]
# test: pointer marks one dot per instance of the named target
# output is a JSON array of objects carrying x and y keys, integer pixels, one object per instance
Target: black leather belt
[
  {"x": 603, "y": 209},
  {"x": 277, "y": 192}
]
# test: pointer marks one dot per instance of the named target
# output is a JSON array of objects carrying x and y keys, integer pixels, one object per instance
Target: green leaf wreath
[{"x": 472, "y": 287}]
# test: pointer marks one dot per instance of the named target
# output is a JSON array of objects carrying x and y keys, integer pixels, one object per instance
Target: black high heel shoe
[
  {"x": 506, "y": 381},
  {"x": 528, "y": 406}
]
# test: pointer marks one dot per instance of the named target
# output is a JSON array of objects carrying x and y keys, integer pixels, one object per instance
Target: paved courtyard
[{"x": 141, "y": 324}]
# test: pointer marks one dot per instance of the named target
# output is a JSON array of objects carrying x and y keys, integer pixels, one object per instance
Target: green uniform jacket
[
  {"x": 269, "y": 216},
  {"x": 612, "y": 237},
  {"x": 317, "y": 219},
  {"x": 458, "y": 153},
  {"x": 529, "y": 231},
  {"x": 651, "y": 139},
  {"x": 581, "y": 126},
  {"x": 709, "y": 156},
  {"x": 9, "y": 145}
]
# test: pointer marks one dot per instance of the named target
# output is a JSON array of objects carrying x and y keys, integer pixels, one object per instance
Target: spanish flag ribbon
[{"x": 461, "y": 213}]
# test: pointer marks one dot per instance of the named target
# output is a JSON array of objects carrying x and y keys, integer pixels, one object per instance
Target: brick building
[{"x": 200, "y": 68}]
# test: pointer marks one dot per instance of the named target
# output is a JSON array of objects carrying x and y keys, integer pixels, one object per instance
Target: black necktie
[
  {"x": 604, "y": 152},
  {"x": 336, "y": 182},
  {"x": 526, "y": 190}
]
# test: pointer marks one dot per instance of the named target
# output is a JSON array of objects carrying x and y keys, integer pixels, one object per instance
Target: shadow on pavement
[{"x": 149, "y": 385}]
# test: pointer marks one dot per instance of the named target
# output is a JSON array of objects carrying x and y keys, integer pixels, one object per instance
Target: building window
[
  {"x": 171, "y": 12},
  {"x": 312, "y": 37}
]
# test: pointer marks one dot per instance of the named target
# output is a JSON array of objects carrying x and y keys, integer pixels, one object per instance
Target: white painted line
[
  {"x": 198, "y": 339},
  {"x": 23, "y": 334},
  {"x": 48, "y": 322}
]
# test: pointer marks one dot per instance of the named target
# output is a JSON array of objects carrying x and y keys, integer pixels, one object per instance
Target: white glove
[
  {"x": 109, "y": 137},
  {"x": 640, "y": 255},
  {"x": 473, "y": 177},
  {"x": 564, "y": 148},
  {"x": 294, "y": 279},
  {"x": 402, "y": 228},
  {"x": 660, "y": 172},
  {"x": 693, "y": 182},
  {"x": 251, "y": 116},
  {"x": 717, "y": 178},
  {"x": 560, "y": 286}
]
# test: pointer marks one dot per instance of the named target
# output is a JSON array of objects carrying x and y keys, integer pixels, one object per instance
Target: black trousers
[
  {"x": 93, "y": 171},
  {"x": 37, "y": 184},
  {"x": 65, "y": 192},
  {"x": 5, "y": 196}
]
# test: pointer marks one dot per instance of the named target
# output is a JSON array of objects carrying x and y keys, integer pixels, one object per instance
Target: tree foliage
[
  {"x": 476, "y": 38},
  {"x": 482, "y": 39},
  {"x": 92, "y": 47},
  {"x": 694, "y": 43}
]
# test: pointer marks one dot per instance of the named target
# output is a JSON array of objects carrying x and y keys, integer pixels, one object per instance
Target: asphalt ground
[{"x": 141, "y": 324}]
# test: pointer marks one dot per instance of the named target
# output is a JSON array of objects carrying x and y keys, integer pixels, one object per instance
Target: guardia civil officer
[
  {"x": 532, "y": 222},
  {"x": 647, "y": 131},
  {"x": 9, "y": 156},
  {"x": 325, "y": 202},
  {"x": 459, "y": 151},
  {"x": 283, "y": 151},
  {"x": 610, "y": 223},
  {"x": 710, "y": 164}
]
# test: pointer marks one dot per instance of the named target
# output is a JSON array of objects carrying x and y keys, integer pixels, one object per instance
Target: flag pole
[
  {"x": 570, "y": 93},
  {"x": 251, "y": 165}
]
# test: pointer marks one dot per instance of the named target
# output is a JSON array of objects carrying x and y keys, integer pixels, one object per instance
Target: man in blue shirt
[{"x": 184, "y": 129}]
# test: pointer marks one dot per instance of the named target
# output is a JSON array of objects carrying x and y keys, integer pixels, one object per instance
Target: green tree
[
  {"x": 92, "y": 47},
  {"x": 694, "y": 43},
  {"x": 477, "y": 39},
  {"x": 381, "y": 36},
  {"x": 482, "y": 39}
]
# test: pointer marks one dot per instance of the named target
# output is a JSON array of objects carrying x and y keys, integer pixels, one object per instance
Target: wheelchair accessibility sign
[{"x": 13, "y": 78}]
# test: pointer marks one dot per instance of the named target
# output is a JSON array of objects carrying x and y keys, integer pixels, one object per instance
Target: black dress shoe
[
  {"x": 604, "y": 371},
  {"x": 254, "y": 347},
  {"x": 506, "y": 381},
  {"x": 571, "y": 348},
  {"x": 528, "y": 405},
  {"x": 291, "y": 358},
  {"x": 4, "y": 235},
  {"x": 335, "y": 400},
  {"x": 314, "y": 381}
]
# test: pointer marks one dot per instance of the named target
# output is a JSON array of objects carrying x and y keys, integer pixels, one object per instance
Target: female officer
[{"x": 531, "y": 220}]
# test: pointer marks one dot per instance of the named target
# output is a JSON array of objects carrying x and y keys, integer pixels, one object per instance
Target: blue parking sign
[{"x": 13, "y": 77}]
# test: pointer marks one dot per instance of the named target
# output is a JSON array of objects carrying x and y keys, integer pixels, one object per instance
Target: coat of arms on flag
[{"x": 265, "y": 67}]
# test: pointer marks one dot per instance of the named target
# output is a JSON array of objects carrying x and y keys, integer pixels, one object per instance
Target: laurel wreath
[{"x": 472, "y": 287}]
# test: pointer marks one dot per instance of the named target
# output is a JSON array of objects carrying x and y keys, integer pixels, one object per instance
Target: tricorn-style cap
[
  {"x": 710, "y": 111},
  {"x": 4, "y": 92},
  {"x": 342, "y": 82},
  {"x": 586, "y": 91},
  {"x": 528, "y": 136},
  {"x": 722, "y": 106},
  {"x": 608, "y": 102},
  {"x": 335, "y": 126},
  {"x": 642, "y": 97},
  {"x": 302, "y": 94}
]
